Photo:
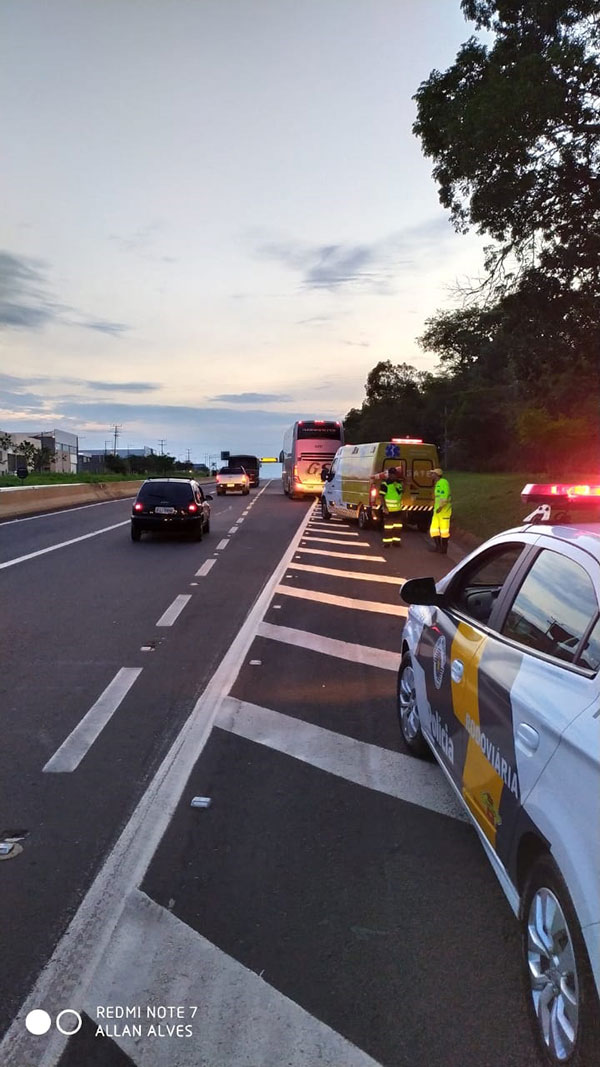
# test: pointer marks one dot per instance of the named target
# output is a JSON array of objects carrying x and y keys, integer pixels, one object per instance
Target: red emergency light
[
  {"x": 553, "y": 492},
  {"x": 561, "y": 501},
  {"x": 407, "y": 440}
]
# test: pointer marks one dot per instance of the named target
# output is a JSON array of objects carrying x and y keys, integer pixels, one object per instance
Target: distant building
[
  {"x": 61, "y": 447},
  {"x": 10, "y": 459}
]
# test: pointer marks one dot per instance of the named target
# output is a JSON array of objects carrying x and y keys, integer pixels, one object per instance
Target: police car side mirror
[{"x": 421, "y": 591}]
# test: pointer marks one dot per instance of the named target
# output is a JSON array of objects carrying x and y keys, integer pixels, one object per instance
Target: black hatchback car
[{"x": 171, "y": 504}]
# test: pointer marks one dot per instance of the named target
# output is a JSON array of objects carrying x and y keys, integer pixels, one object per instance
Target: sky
[{"x": 216, "y": 219}]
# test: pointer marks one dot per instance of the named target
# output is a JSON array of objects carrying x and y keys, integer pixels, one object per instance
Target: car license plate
[{"x": 165, "y": 511}]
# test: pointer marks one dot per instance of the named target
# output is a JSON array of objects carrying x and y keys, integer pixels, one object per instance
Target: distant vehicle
[
  {"x": 251, "y": 465},
  {"x": 170, "y": 505},
  {"x": 351, "y": 490},
  {"x": 307, "y": 446},
  {"x": 500, "y": 680},
  {"x": 232, "y": 480}
]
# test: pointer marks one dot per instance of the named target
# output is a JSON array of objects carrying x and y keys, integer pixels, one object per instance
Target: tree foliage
[{"x": 513, "y": 129}]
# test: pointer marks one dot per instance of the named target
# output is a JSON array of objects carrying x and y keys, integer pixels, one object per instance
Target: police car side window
[
  {"x": 553, "y": 608},
  {"x": 480, "y": 583}
]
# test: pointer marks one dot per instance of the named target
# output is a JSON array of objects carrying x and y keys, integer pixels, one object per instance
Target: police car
[{"x": 499, "y": 678}]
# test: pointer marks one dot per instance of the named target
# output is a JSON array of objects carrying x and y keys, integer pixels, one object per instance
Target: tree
[{"x": 513, "y": 130}]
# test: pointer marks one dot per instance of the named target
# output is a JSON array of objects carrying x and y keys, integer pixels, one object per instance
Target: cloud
[
  {"x": 368, "y": 268},
  {"x": 102, "y": 326},
  {"x": 25, "y": 303},
  {"x": 358, "y": 344},
  {"x": 18, "y": 384},
  {"x": 250, "y": 398}
]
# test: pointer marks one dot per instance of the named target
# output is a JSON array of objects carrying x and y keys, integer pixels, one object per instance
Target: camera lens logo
[{"x": 38, "y": 1022}]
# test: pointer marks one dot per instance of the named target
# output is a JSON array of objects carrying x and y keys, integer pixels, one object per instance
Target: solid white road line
[
  {"x": 62, "y": 544},
  {"x": 174, "y": 611},
  {"x": 380, "y": 769},
  {"x": 334, "y": 541},
  {"x": 81, "y": 739},
  {"x": 204, "y": 569},
  {"x": 330, "y": 646},
  {"x": 67, "y": 975},
  {"x": 242, "y": 1021},
  {"x": 222, "y": 544},
  {"x": 343, "y": 601},
  {"x": 341, "y": 555},
  {"x": 388, "y": 578}
]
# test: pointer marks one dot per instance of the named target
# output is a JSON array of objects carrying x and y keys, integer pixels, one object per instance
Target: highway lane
[
  {"x": 70, "y": 621},
  {"x": 331, "y": 905}
]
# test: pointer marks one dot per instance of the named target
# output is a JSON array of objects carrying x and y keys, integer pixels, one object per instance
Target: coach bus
[
  {"x": 251, "y": 465},
  {"x": 307, "y": 446}
]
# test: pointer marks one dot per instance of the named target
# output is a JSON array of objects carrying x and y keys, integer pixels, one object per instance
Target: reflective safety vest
[
  {"x": 392, "y": 495},
  {"x": 443, "y": 500}
]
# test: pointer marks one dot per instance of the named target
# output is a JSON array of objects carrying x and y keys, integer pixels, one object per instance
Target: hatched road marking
[
  {"x": 388, "y": 578},
  {"x": 341, "y": 555},
  {"x": 330, "y": 646},
  {"x": 155, "y": 958},
  {"x": 343, "y": 601},
  {"x": 380, "y": 769}
]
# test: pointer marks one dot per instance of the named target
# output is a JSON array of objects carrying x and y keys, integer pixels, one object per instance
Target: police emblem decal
[{"x": 439, "y": 661}]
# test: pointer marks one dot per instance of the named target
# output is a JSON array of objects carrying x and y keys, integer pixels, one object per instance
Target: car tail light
[
  {"x": 138, "y": 507},
  {"x": 192, "y": 507}
]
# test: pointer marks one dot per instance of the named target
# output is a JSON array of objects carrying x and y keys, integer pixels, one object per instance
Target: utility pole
[
  {"x": 162, "y": 442},
  {"x": 188, "y": 455},
  {"x": 116, "y": 434}
]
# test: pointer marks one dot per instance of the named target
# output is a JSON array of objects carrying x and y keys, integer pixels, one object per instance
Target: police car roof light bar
[{"x": 561, "y": 496}]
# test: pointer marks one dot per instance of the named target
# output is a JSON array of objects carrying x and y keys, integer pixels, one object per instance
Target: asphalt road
[{"x": 331, "y": 906}]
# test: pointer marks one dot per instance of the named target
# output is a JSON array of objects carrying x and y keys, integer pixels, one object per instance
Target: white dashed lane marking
[
  {"x": 204, "y": 569},
  {"x": 175, "y": 609},
  {"x": 222, "y": 544},
  {"x": 81, "y": 739}
]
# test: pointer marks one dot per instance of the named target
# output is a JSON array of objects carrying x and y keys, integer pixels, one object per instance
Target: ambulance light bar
[{"x": 407, "y": 440}]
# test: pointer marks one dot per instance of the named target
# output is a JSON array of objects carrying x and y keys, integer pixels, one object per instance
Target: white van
[{"x": 351, "y": 490}]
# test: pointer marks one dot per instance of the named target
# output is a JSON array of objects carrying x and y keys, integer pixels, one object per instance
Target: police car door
[
  {"x": 450, "y": 651},
  {"x": 529, "y": 685}
]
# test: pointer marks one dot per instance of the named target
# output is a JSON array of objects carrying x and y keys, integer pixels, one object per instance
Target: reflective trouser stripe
[{"x": 391, "y": 529}]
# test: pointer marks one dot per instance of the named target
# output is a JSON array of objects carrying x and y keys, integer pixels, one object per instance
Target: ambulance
[{"x": 351, "y": 490}]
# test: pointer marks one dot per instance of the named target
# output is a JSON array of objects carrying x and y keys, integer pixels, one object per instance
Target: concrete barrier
[{"x": 31, "y": 499}]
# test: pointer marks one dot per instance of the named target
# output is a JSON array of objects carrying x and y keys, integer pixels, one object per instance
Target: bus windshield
[{"x": 309, "y": 445}]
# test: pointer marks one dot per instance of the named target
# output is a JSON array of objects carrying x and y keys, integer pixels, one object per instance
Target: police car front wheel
[
  {"x": 408, "y": 713},
  {"x": 561, "y": 994}
]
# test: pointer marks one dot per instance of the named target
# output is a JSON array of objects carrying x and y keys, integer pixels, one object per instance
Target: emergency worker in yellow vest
[
  {"x": 439, "y": 530},
  {"x": 390, "y": 495}
]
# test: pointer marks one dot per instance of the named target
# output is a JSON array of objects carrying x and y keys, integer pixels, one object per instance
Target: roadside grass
[{"x": 485, "y": 504}]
